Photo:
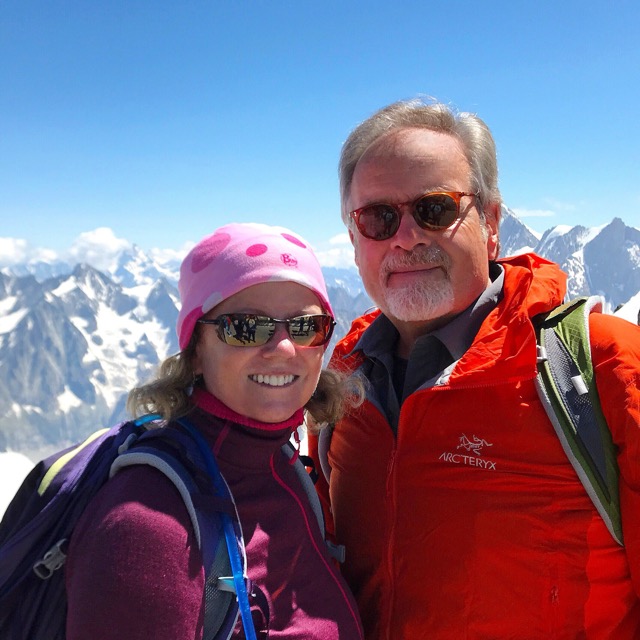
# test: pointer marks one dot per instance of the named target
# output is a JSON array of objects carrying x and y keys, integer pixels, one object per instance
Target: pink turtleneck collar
[{"x": 209, "y": 403}]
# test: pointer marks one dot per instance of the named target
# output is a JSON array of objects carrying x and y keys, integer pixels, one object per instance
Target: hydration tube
[{"x": 229, "y": 532}]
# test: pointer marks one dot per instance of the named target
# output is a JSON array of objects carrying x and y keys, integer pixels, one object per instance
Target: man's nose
[{"x": 409, "y": 233}]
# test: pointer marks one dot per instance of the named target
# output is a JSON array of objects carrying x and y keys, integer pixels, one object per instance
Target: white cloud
[
  {"x": 552, "y": 208},
  {"x": 97, "y": 248},
  {"x": 534, "y": 213},
  {"x": 336, "y": 257},
  {"x": 13, "y": 251},
  {"x": 341, "y": 238},
  {"x": 44, "y": 255},
  {"x": 164, "y": 256},
  {"x": 557, "y": 205}
]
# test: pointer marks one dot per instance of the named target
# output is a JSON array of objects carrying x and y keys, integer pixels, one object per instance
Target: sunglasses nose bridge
[
  {"x": 409, "y": 232},
  {"x": 280, "y": 341}
]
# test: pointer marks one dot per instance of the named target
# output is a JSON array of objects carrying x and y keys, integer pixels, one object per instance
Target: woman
[{"x": 253, "y": 327}]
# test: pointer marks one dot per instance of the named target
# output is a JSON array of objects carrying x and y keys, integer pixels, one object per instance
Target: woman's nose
[{"x": 280, "y": 344}]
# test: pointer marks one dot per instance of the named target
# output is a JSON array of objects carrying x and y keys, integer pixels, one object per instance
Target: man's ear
[
  {"x": 355, "y": 247},
  {"x": 492, "y": 221}
]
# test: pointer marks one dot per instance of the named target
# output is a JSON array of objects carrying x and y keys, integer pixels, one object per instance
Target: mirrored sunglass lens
[
  {"x": 378, "y": 222},
  {"x": 246, "y": 330},
  {"x": 437, "y": 211},
  {"x": 324, "y": 330},
  {"x": 308, "y": 331},
  {"x": 265, "y": 329}
]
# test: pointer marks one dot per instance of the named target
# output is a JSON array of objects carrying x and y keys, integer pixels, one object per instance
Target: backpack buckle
[
  {"x": 52, "y": 561},
  {"x": 541, "y": 354}
]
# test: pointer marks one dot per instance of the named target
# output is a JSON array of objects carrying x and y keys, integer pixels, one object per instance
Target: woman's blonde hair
[
  {"x": 336, "y": 393},
  {"x": 168, "y": 394}
]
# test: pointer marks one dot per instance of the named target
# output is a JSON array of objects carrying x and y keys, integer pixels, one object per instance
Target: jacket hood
[{"x": 541, "y": 284}]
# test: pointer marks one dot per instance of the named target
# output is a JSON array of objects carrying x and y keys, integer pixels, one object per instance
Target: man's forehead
[
  {"x": 409, "y": 162},
  {"x": 412, "y": 143}
]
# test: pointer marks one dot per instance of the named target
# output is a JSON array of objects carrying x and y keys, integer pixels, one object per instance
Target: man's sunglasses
[
  {"x": 250, "y": 330},
  {"x": 434, "y": 211}
]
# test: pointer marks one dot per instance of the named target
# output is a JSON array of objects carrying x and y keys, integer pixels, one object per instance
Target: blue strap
[
  {"x": 148, "y": 417},
  {"x": 229, "y": 532}
]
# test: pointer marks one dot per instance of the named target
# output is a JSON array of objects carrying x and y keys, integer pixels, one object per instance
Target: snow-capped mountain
[
  {"x": 602, "y": 260},
  {"x": 515, "y": 236},
  {"x": 75, "y": 339},
  {"x": 70, "y": 346}
]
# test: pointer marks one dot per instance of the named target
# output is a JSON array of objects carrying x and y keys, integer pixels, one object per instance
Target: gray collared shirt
[{"x": 432, "y": 357}]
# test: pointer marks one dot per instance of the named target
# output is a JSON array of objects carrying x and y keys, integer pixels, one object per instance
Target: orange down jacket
[{"x": 471, "y": 523}]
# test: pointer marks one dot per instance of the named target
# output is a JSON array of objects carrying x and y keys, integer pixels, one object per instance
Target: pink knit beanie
[{"x": 238, "y": 256}]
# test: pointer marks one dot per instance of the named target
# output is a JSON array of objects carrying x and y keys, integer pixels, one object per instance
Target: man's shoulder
[
  {"x": 533, "y": 283},
  {"x": 346, "y": 345},
  {"x": 611, "y": 335}
]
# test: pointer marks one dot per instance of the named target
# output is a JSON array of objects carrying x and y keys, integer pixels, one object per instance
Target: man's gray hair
[{"x": 477, "y": 141}]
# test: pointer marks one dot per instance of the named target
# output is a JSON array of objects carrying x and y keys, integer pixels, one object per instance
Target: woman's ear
[
  {"x": 196, "y": 363},
  {"x": 193, "y": 353}
]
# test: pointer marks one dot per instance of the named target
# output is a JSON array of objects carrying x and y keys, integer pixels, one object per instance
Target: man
[{"x": 461, "y": 514}]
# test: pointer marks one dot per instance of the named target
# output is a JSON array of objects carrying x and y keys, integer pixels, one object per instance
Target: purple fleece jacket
[{"x": 134, "y": 570}]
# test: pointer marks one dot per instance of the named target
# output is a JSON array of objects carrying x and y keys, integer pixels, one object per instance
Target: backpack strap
[
  {"x": 171, "y": 468},
  {"x": 179, "y": 455},
  {"x": 336, "y": 551},
  {"x": 181, "y": 478},
  {"x": 306, "y": 481},
  {"x": 566, "y": 387},
  {"x": 324, "y": 444},
  {"x": 232, "y": 531}
]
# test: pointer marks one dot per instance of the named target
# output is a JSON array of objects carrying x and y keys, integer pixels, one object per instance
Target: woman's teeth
[{"x": 272, "y": 381}]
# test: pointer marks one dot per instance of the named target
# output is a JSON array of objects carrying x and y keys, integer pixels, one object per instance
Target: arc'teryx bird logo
[{"x": 475, "y": 444}]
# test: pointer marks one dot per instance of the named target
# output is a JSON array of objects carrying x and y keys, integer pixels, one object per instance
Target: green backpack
[{"x": 567, "y": 389}]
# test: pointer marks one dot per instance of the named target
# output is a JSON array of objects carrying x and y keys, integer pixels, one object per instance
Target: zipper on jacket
[
  {"x": 316, "y": 538},
  {"x": 390, "y": 467},
  {"x": 390, "y": 487}
]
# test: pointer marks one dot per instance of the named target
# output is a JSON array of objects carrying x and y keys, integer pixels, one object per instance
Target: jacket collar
[{"x": 532, "y": 285}]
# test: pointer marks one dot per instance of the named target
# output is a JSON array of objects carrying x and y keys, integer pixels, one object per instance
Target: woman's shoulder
[
  {"x": 134, "y": 543},
  {"x": 137, "y": 501}
]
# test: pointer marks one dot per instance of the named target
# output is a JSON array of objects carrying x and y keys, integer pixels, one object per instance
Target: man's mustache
[{"x": 428, "y": 257}]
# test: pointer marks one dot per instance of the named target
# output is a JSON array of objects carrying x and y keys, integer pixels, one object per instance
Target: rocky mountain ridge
[{"x": 74, "y": 339}]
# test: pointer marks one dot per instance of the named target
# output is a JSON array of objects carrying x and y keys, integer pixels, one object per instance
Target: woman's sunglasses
[
  {"x": 250, "y": 330},
  {"x": 435, "y": 211}
]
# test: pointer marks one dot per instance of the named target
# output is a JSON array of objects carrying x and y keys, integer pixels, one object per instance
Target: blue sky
[{"x": 163, "y": 120}]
